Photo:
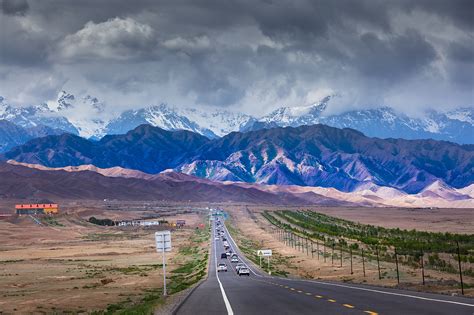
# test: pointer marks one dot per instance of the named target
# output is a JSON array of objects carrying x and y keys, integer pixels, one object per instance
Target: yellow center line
[
  {"x": 319, "y": 296},
  {"x": 348, "y": 305},
  {"x": 331, "y": 300}
]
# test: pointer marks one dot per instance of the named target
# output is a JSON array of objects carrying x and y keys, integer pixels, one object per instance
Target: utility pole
[
  {"x": 422, "y": 266},
  {"x": 317, "y": 248},
  {"x": 341, "y": 254},
  {"x": 352, "y": 271},
  {"x": 378, "y": 261},
  {"x": 332, "y": 255},
  {"x": 324, "y": 254},
  {"x": 396, "y": 262},
  {"x": 460, "y": 269},
  {"x": 363, "y": 262}
]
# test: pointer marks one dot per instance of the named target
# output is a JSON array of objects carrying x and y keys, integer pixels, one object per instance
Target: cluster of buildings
[
  {"x": 32, "y": 209},
  {"x": 37, "y": 209},
  {"x": 178, "y": 223}
]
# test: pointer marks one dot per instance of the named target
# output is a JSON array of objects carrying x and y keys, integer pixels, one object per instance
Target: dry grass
[{"x": 80, "y": 267}]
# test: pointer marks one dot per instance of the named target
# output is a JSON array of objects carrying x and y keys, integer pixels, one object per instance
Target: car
[
  {"x": 228, "y": 254},
  {"x": 224, "y": 239},
  {"x": 216, "y": 238},
  {"x": 222, "y": 267},
  {"x": 234, "y": 260},
  {"x": 234, "y": 255},
  {"x": 238, "y": 266},
  {"x": 243, "y": 271},
  {"x": 224, "y": 256},
  {"x": 225, "y": 243}
]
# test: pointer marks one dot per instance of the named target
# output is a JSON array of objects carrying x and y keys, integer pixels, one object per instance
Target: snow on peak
[{"x": 462, "y": 114}]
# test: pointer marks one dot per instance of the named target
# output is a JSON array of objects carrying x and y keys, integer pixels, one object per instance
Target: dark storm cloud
[
  {"x": 458, "y": 12},
  {"x": 245, "y": 53},
  {"x": 394, "y": 58},
  {"x": 15, "y": 7}
]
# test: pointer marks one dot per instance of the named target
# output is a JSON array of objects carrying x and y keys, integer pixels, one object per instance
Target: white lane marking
[
  {"x": 385, "y": 292},
  {"x": 359, "y": 288},
  {"x": 224, "y": 296}
]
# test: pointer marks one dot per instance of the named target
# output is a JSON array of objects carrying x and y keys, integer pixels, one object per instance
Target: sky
[{"x": 247, "y": 56}]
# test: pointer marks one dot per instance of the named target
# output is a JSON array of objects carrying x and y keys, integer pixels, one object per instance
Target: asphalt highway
[{"x": 259, "y": 293}]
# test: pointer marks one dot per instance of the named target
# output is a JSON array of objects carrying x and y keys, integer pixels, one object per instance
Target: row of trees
[{"x": 333, "y": 237}]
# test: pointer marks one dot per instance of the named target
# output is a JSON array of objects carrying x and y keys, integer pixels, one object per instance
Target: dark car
[{"x": 223, "y": 256}]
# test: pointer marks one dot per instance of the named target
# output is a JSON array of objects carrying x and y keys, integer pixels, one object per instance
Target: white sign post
[
  {"x": 265, "y": 253},
  {"x": 163, "y": 244}
]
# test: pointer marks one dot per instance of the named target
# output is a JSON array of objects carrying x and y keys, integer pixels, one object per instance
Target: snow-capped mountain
[
  {"x": 86, "y": 113},
  {"x": 211, "y": 124},
  {"x": 383, "y": 122},
  {"x": 68, "y": 113},
  {"x": 161, "y": 116},
  {"x": 220, "y": 122},
  {"x": 35, "y": 116}
]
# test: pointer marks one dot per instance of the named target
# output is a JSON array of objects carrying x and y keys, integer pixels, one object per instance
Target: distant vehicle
[
  {"x": 234, "y": 255},
  {"x": 238, "y": 266},
  {"x": 225, "y": 243},
  {"x": 216, "y": 238},
  {"x": 228, "y": 254},
  {"x": 224, "y": 239},
  {"x": 234, "y": 260},
  {"x": 243, "y": 271},
  {"x": 221, "y": 267},
  {"x": 226, "y": 247},
  {"x": 224, "y": 256}
]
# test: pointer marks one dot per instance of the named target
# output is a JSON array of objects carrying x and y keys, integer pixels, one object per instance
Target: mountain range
[
  {"x": 23, "y": 181},
  {"x": 87, "y": 116},
  {"x": 34, "y": 182},
  {"x": 12, "y": 135},
  {"x": 315, "y": 156}
]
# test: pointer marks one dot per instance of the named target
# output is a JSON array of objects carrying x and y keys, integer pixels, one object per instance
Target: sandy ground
[
  {"x": 303, "y": 264},
  {"x": 79, "y": 266}
]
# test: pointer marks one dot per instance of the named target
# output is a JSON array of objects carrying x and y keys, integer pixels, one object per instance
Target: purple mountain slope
[{"x": 315, "y": 155}]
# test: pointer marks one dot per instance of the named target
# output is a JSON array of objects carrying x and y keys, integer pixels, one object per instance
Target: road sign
[
  {"x": 163, "y": 245},
  {"x": 163, "y": 241},
  {"x": 264, "y": 252}
]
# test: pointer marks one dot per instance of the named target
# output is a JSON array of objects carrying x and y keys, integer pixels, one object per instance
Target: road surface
[{"x": 228, "y": 293}]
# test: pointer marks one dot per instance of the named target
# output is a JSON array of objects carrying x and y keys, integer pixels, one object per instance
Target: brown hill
[{"x": 22, "y": 182}]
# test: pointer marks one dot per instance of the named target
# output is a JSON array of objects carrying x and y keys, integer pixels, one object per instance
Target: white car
[
  {"x": 238, "y": 266},
  {"x": 243, "y": 271},
  {"x": 234, "y": 260},
  {"x": 222, "y": 267}
]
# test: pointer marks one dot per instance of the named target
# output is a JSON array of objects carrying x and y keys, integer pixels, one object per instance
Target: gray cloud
[
  {"x": 246, "y": 55},
  {"x": 15, "y": 7}
]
